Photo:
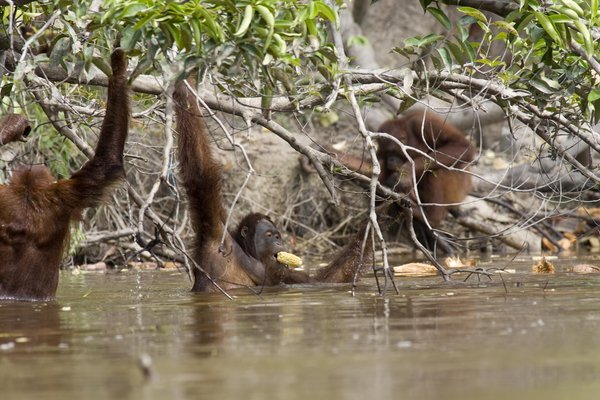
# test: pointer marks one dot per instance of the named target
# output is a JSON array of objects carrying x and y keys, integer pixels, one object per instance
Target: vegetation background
[{"x": 282, "y": 78}]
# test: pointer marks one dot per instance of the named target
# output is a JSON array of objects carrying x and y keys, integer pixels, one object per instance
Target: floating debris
[
  {"x": 543, "y": 267},
  {"x": 586, "y": 269},
  {"x": 99, "y": 266},
  {"x": 146, "y": 366},
  {"x": 142, "y": 265},
  {"x": 456, "y": 263},
  {"x": 424, "y": 269},
  {"x": 415, "y": 270},
  {"x": 171, "y": 265}
]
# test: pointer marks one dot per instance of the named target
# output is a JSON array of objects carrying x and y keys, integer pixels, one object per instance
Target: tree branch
[{"x": 498, "y": 7}]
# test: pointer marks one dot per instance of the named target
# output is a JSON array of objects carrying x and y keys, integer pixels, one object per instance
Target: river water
[{"x": 526, "y": 336}]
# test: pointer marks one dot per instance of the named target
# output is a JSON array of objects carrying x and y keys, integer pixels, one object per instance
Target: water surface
[{"x": 529, "y": 337}]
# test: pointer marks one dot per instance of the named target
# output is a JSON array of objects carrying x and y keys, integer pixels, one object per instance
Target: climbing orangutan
[
  {"x": 36, "y": 209},
  {"x": 248, "y": 256},
  {"x": 435, "y": 145}
]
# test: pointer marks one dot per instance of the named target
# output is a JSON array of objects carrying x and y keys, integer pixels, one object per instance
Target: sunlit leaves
[
  {"x": 548, "y": 26},
  {"x": 549, "y": 50},
  {"x": 593, "y": 102},
  {"x": 240, "y": 41},
  {"x": 474, "y": 13},
  {"x": 506, "y": 26}
]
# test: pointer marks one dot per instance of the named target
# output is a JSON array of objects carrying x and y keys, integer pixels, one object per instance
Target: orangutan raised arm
[{"x": 36, "y": 210}]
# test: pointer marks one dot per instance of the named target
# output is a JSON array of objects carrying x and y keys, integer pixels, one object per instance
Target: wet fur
[
  {"x": 238, "y": 263},
  {"x": 36, "y": 210},
  {"x": 447, "y": 145}
]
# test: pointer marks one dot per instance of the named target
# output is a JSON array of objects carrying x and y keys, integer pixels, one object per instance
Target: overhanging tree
[{"x": 257, "y": 59}]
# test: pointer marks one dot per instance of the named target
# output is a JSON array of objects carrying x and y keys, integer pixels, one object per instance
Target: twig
[
  {"x": 370, "y": 145},
  {"x": 166, "y": 164},
  {"x": 37, "y": 35}
]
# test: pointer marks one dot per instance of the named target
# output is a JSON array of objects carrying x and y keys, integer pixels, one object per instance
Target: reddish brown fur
[
  {"x": 13, "y": 128},
  {"x": 446, "y": 145},
  {"x": 441, "y": 141},
  {"x": 239, "y": 262},
  {"x": 36, "y": 210}
]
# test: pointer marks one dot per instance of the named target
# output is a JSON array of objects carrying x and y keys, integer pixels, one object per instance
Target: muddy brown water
[{"x": 531, "y": 337}]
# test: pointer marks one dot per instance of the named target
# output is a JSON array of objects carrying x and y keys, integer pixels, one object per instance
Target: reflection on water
[{"x": 530, "y": 337}]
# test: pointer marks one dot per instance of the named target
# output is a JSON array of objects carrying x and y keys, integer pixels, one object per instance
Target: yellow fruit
[{"x": 289, "y": 259}]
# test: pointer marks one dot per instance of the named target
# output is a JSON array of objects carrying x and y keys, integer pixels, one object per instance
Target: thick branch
[
  {"x": 499, "y": 92},
  {"x": 18, "y": 3},
  {"x": 498, "y": 7},
  {"x": 583, "y": 54}
]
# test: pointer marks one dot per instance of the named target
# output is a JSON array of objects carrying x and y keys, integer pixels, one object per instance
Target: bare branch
[
  {"x": 370, "y": 145},
  {"x": 166, "y": 160},
  {"x": 583, "y": 54}
]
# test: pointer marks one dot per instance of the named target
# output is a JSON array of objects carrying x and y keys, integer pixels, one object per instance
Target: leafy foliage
[
  {"x": 252, "y": 46},
  {"x": 550, "y": 48}
]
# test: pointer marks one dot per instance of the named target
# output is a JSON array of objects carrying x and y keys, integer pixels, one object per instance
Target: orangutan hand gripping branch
[
  {"x": 249, "y": 254},
  {"x": 36, "y": 210}
]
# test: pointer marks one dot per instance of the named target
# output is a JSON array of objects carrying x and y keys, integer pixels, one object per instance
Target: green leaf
[
  {"x": 141, "y": 24},
  {"x": 425, "y": 3},
  {"x": 197, "y": 28},
  {"x": 507, "y": 26},
  {"x": 469, "y": 51},
  {"x": 131, "y": 10},
  {"x": 523, "y": 23},
  {"x": 312, "y": 10},
  {"x": 595, "y": 108},
  {"x": 130, "y": 38},
  {"x": 175, "y": 34},
  {"x": 473, "y": 12},
  {"x": 559, "y": 19},
  {"x": 587, "y": 36},
  {"x": 60, "y": 51},
  {"x": 357, "y": 40},
  {"x": 457, "y": 52},
  {"x": 446, "y": 57},
  {"x": 326, "y": 12},
  {"x": 593, "y": 95},
  {"x": 423, "y": 41},
  {"x": 212, "y": 27},
  {"x": 6, "y": 90},
  {"x": 551, "y": 83},
  {"x": 541, "y": 86},
  {"x": 186, "y": 39},
  {"x": 490, "y": 63},
  {"x": 311, "y": 25},
  {"x": 548, "y": 26},
  {"x": 438, "y": 64},
  {"x": 102, "y": 65},
  {"x": 109, "y": 15},
  {"x": 441, "y": 17}
]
